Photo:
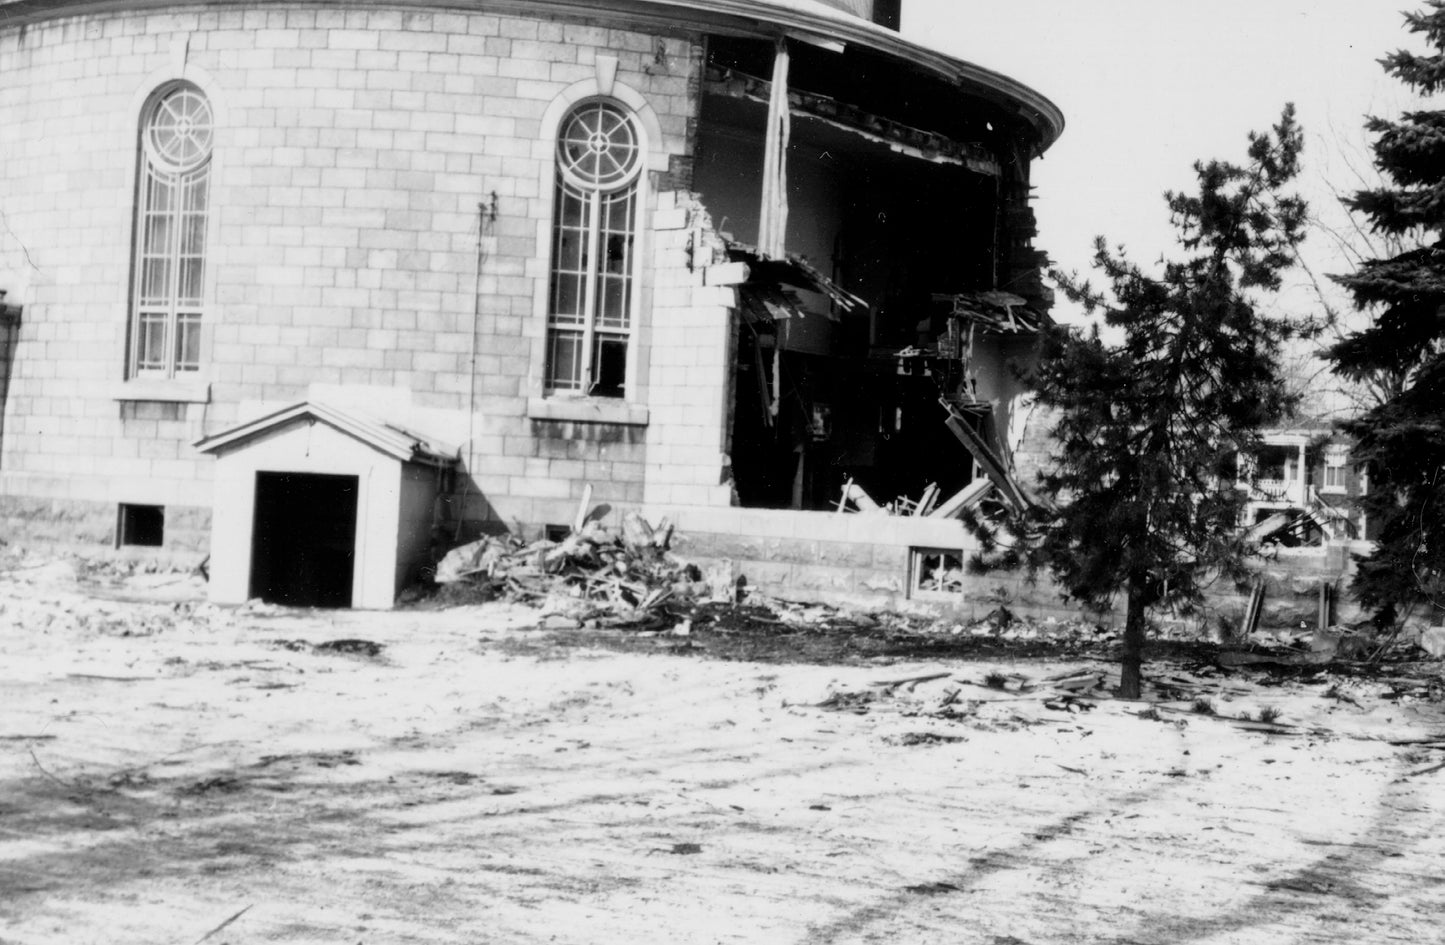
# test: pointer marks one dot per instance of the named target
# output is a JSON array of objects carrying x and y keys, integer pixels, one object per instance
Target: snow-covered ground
[{"x": 171, "y": 772}]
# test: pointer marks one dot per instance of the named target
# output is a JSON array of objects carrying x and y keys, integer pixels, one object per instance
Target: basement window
[
  {"x": 141, "y": 526},
  {"x": 935, "y": 573}
]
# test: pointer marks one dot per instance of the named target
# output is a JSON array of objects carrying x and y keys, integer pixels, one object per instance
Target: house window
[
  {"x": 1334, "y": 472},
  {"x": 594, "y": 229},
  {"x": 173, "y": 202}
]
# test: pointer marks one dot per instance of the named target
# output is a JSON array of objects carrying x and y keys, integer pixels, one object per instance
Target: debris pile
[
  {"x": 930, "y": 502},
  {"x": 623, "y": 579}
]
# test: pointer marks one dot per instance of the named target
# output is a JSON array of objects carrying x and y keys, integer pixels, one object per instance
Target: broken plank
[
  {"x": 583, "y": 507},
  {"x": 1253, "y": 612},
  {"x": 110, "y": 678},
  {"x": 966, "y": 498},
  {"x": 992, "y": 464},
  {"x": 910, "y": 681},
  {"x": 854, "y": 493}
]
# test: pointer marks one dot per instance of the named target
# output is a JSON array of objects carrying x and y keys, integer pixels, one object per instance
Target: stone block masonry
[
  {"x": 850, "y": 560},
  {"x": 360, "y": 152},
  {"x": 86, "y": 526}
]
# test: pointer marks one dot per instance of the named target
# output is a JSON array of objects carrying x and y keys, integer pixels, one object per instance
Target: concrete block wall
[
  {"x": 691, "y": 354},
  {"x": 1291, "y": 590},
  {"x": 353, "y": 146},
  {"x": 852, "y": 560},
  {"x": 87, "y": 526}
]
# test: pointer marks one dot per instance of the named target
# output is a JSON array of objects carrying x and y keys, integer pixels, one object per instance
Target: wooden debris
[
  {"x": 351, "y": 647},
  {"x": 1253, "y": 612},
  {"x": 852, "y": 492},
  {"x": 583, "y": 507},
  {"x": 911, "y": 681},
  {"x": 223, "y": 925},
  {"x": 1419, "y": 771},
  {"x": 591, "y": 576},
  {"x": 967, "y": 498}
]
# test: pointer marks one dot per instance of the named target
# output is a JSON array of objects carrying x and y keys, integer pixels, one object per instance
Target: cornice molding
[{"x": 753, "y": 18}]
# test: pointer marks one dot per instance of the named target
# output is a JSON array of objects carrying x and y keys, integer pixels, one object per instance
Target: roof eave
[{"x": 737, "y": 17}]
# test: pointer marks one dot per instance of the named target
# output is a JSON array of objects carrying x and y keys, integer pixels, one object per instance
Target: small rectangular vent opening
[{"x": 141, "y": 526}]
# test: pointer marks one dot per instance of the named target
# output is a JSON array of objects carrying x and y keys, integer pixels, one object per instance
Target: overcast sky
[{"x": 1149, "y": 86}]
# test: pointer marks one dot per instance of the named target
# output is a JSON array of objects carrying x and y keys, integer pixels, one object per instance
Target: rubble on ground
[
  {"x": 628, "y": 579},
  {"x": 592, "y": 577}
]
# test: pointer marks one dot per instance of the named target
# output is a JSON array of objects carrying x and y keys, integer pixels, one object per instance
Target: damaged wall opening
[
  {"x": 303, "y": 548},
  {"x": 142, "y": 526},
  {"x": 878, "y": 355}
]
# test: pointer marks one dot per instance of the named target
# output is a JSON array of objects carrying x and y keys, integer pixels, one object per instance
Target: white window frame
[
  {"x": 180, "y": 167},
  {"x": 658, "y": 149},
  {"x": 1336, "y": 460},
  {"x": 598, "y": 193}
]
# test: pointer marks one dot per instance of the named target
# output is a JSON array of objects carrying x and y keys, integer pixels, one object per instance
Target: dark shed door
[{"x": 303, "y": 546}]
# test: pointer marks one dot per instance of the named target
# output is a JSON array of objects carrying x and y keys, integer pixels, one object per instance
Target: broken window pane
[
  {"x": 609, "y": 358},
  {"x": 937, "y": 571}
]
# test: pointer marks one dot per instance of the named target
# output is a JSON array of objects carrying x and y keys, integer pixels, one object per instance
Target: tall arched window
[
  {"x": 594, "y": 226},
  {"x": 173, "y": 199}
]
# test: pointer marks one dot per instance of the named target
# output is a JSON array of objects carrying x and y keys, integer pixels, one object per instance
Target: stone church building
[{"x": 320, "y": 288}]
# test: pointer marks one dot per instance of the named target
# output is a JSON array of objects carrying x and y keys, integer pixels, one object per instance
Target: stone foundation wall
[
  {"x": 88, "y": 527},
  {"x": 860, "y": 561},
  {"x": 1292, "y": 590},
  {"x": 847, "y": 560}
]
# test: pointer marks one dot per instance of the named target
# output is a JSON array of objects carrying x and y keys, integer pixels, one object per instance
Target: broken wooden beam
[
  {"x": 966, "y": 498},
  {"x": 992, "y": 464}
]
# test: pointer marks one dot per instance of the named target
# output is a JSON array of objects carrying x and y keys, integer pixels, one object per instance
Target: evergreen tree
[
  {"x": 1141, "y": 499},
  {"x": 1401, "y": 442}
]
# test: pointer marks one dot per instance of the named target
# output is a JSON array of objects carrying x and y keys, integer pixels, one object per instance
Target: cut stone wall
[
  {"x": 87, "y": 526},
  {"x": 353, "y": 147},
  {"x": 851, "y": 560},
  {"x": 1291, "y": 590}
]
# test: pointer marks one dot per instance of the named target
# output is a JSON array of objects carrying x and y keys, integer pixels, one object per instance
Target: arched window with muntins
[
  {"x": 172, "y": 211},
  {"x": 593, "y": 269}
]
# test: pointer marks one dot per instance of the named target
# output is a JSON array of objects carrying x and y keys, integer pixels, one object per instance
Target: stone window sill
[
  {"x": 163, "y": 390},
  {"x": 587, "y": 410}
]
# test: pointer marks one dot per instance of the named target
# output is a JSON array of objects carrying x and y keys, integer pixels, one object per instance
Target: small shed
[{"x": 317, "y": 506}]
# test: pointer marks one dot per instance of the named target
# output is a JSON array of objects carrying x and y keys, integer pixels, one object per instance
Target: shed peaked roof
[{"x": 387, "y": 438}]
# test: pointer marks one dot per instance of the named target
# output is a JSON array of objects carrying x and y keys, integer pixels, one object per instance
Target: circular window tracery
[
  {"x": 180, "y": 128},
  {"x": 598, "y": 145}
]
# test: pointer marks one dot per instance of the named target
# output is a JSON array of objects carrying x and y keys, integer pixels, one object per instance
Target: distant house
[
  {"x": 320, "y": 287},
  {"x": 1302, "y": 490}
]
